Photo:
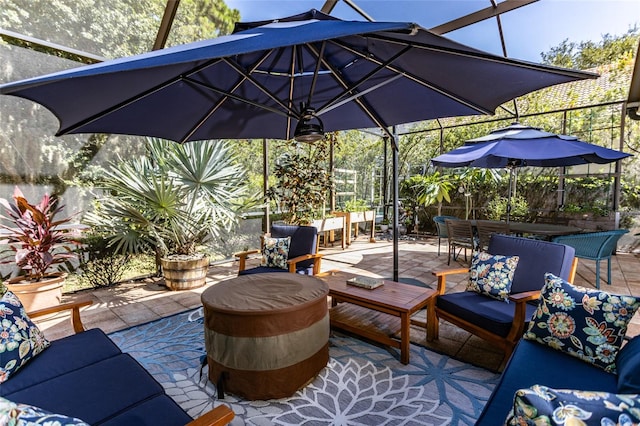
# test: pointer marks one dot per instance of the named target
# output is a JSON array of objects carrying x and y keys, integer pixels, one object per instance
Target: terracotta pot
[
  {"x": 184, "y": 274},
  {"x": 41, "y": 294}
]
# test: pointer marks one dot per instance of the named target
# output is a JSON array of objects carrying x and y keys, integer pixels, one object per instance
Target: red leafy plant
[{"x": 39, "y": 240}]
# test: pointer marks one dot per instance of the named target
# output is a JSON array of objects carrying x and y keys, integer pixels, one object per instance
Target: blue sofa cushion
[
  {"x": 544, "y": 405},
  {"x": 20, "y": 339},
  {"x": 23, "y": 414},
  {"x": 536, "y": 259},
  {"x": 63, "y": 356},
  {"x": 533, "y": 363},
  {"x": 491, "y": 314},
  {"x": 492, "y": 275},
  {"x": 628, "y": 367},
  {"x": 585, "y": 323},
  {"x": 275, "y": 252},
  {"x": 94, "y": 393},
  {"x": 159, "y": 410}
]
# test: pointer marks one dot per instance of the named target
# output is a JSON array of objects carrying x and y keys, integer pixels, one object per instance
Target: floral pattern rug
[{"x": 362, "y": 384}]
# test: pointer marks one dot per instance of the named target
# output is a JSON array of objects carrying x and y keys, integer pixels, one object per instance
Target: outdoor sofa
[
  {"x": 86, "y": 376},
  {"x": 547, "y": 383}
]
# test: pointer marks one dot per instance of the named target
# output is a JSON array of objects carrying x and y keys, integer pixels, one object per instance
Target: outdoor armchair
[
  {"x": 498, "y": 321},
  {"x": 303, "y": 256},
  {"x": 596, "y": 246}
]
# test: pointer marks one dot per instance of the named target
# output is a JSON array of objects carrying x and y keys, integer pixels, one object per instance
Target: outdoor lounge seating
[
  {"x": 596, "y": 246},
  {"x": 496, "y": 320},
  {"x": 441, "y": 228},
  {"x": 86, "y": 376},
  {"x": 302, "y": 256}
]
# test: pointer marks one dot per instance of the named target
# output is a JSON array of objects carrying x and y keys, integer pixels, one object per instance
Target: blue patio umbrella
[
  {"x": 518, "y": 146},
  {"x": 310, "y": 72}
]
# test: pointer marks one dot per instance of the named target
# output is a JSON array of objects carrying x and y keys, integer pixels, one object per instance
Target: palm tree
[{"x": 171, "y": 201}]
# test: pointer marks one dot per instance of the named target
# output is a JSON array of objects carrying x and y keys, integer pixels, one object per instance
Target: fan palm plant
[{"x": 172, "y": 201}]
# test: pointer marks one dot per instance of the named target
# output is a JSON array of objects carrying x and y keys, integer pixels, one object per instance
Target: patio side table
[{"x": 266, "y": 335}]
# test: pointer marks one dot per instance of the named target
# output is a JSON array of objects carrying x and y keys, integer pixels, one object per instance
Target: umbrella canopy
[
  {"x": 518, "y": 146},
  {"x": 261, "y": 80},
  {"x": 266, "y": 77}
]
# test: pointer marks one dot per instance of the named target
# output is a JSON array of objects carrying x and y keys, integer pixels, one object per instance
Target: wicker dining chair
[
  {"x": 441, "y": 228},
  {"x": 460, "y": 237},
  {"x": 486, "y": 228}
]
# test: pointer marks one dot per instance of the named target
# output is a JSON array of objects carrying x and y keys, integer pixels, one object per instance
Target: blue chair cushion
[
  {"x": 275, "y": 252},
  {"x": 159, "y": 410},
  {"x": 492, "y": 275},
  {"x": 95, "y": 392},
  {"x": 533, "y": 363},
  {"x": 303, "y": 240},
  {"x": 628, "y": 367},
  {"x": 491, "y": 314},
  {"x": 20, "y": 339},
  {"x": 536, "y": 259},
  {"x": 541, "y": 404},
  {"x": 585, "y": 323},
  {"x": 63, "y": 356}
]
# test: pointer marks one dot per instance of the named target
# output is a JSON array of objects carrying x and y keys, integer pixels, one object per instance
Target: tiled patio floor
[{"x": 134, "y": 303}]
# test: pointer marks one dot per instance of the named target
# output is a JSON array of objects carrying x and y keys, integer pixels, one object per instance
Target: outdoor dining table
[{"x": 546, "y": 230}]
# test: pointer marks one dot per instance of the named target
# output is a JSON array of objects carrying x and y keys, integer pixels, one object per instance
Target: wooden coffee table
[{"x": 376, "y": 314}]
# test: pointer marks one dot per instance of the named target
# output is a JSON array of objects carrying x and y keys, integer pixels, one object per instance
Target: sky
[{"x": 528, "y": 31}]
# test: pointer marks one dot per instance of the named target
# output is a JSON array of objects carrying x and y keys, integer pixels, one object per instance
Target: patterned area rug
[{"x": 363, "y": 383}]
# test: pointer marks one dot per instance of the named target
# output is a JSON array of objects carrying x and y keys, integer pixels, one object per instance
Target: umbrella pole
[
  {"x": 511, "y": 169},
  {"x": 396, "y": 203}
]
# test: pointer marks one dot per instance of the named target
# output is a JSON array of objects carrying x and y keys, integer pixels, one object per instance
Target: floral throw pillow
[
  {"x": 20, "y": 338},
  {"x": 540, "y": 405},
  {"x": 275, "y": 252},
  {"x": 586, "y": 323},
  {"x": 492, "y": 275},
  {"x": 23, "y": 414}
]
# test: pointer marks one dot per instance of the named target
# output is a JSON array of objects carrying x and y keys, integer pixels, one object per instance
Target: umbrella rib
[
  {"x": 263, "y": 89},
  {"x": 360, "y": 102},
  {"x": 223, "y": 99},
  {"x": 488, "y": 57},
  {"x": 291, "y": 86},
  {"x": 316, "y": 72},
  {"x": 333, "y": 103},
  {"x": 418, "y": 80},
  {"x": 236, "y": 97}
]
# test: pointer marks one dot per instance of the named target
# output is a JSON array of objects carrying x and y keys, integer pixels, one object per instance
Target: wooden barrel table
[{"x": 266, "y": 335}]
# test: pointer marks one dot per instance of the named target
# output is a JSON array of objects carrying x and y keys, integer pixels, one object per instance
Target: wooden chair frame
[{"x": 508, "y": 343}]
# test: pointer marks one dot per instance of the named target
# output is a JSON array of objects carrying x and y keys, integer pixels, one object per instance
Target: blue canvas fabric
[
  {"x": 519, "y": 145},
  {"x": 536, "y": 259},
  {"x": 533, "y": 363},
  {"x": 86, "y": 376},
  {"x": 66, "y": 355},
  {"x": 303, "y": 241},
  {"x": 491, "y": 314},
  {"x": 169, "y": 90},
  {"x": 628, "y": 367}
]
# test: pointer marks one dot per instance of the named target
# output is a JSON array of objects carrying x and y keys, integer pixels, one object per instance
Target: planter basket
[{"x": 185, "y": 274}]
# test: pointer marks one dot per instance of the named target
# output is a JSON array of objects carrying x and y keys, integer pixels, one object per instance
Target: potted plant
[
  {"x": 39, "y": 241},
  {"x": 303, "y": 182},
  {"x": 171, "y": 202},
  {"x": 384, "y": 225}
]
